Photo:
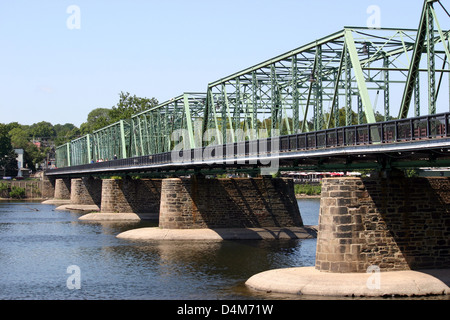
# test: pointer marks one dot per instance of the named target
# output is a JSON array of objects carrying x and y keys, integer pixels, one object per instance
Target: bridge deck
[{"x": 421, "y": 141}]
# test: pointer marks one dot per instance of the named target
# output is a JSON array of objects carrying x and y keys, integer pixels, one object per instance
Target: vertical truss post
[
  {"x": 417, "y": 97},
  {"x": 187, "y": 115},
  {"x": 122, "y": 140},
  {"x": 216, "y": 124},
  {"x": 431, "y": 63},
  {"x": 295, "y": 97},
  {"x": 227, "y": 116},
  {"x": 255, "y": 103},
  {"x": 318, "y": 114},
  {"x": 305, "y": 127},
  {"x": 88, "y": 146},
  {"x": 360, "y": 111},
  {"x": 238, "y": 106},
  {"x": 275, "y": 98},
  {"x": 335, "y": 102},
  {"x": 168, "y": 132},
  {"x": 348, "y": 89},
  {"x": 387, "y": 107},
  {"x": 68, "y": 154}
]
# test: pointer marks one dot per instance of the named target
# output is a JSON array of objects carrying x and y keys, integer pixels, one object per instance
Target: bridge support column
[
  {"x": 127, "y": 199},
  {"x": 62, "y": 189},
  {"x": 393, "y": 223},
  {"x": 199, "y": 203},
  {"x": 86, "y": 192},
  {"x": 56, "y": 191},
  {"x": 376, "y": 237},
  {"x": 47, "y": 187}
]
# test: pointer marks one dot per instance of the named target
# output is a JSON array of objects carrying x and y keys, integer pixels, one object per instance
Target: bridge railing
[{"x": 396, "y": 131}]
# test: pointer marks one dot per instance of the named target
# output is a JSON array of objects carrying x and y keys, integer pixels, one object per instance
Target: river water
[{"x": 47, "y": 255}]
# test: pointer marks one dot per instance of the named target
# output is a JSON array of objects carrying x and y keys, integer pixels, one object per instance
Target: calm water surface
[{"x": 38, "y": 244}]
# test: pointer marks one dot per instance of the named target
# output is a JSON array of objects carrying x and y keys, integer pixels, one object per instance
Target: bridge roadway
[{"x": 408, "y": 143}]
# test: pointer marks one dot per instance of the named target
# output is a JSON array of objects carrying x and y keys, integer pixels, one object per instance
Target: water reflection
[{"x": 39, "y": 243}]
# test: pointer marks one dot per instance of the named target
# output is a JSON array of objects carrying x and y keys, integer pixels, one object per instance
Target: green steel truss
[
  {"x": 146, "y": 133},
  {"x": 354, "y": 76},
  {"x": 111, "y": 141},
  {"x": 151, "y": 131},
  {"x": 344, "y": 79}
]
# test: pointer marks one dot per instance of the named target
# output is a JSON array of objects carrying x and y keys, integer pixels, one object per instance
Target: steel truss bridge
[{"x": 357, "y": 98}]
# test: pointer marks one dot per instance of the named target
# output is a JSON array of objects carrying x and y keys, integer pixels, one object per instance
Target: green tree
[
  {"x": 20, "y": 139},
  {"x": 65, "y": 133},
  {"x": 97, "y": 119},
  {"x": 43, "y": 131},
  {"x": 8, "y": 162},
  {"x": 129, "y": 105}
]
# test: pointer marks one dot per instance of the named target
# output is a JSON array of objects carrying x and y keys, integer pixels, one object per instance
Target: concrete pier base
[
  {"x": 83, "y": 208},
  {"x": 310, "y": 281},
  {"x": 102, "y": 216},
  {"x": 128, "y": 200},
  {"x": 220, "y": 234},
  {"x": 56, "y": 202}
]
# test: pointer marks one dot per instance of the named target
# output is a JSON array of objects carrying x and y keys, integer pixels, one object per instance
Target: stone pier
[
  {"x": 48, "y": 188},
  {"x": 62, "y": 189},
  {"x": 128, "y": 199},
  {"x": 396, "y": 224},
  {"x": 397, "y": 227},
  {"x": 200, "y": 203},
  {"x": 85, "y": 195},
  {"x": 57, "y": 191},
  {"x": 220, "y": 209}
]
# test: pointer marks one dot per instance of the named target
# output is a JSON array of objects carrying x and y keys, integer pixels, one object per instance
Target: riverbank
[
  {"x": 24, "y": 200},
  {"x": 305, "y": 196}
]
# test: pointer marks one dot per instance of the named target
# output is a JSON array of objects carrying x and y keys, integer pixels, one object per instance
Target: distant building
[{"x": 23, "y": 172}]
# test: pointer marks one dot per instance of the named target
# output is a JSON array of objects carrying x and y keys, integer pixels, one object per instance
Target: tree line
[{"x": 40, "y": 139}]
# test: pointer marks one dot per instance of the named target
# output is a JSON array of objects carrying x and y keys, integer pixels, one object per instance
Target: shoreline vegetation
[
  {"x": 308, "y": 190},
  {"x": 8, "y": 192}
]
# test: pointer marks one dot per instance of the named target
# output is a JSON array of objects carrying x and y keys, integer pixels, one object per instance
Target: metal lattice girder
[
  {"x": 434, "y": 44},
  {"x": 304, "y": 89},
  {"x": 151, "y": 130},
  {"x": 62, "y": 154},
  {"x": 111, "y": 141},
  {"x": 81, "y": 150}
]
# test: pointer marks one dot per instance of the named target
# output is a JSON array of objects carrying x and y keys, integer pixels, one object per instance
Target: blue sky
[{"x": 159, "y": 49}]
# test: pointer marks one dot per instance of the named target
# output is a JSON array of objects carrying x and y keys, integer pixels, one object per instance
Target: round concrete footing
[
  {"x": 78, "y": 207},
  {"x": 103, "y": 216},
  {"x": 56, "y": 202},
  {"x": 219, "y": 234},
  {"x": 309, "y": 281}
]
